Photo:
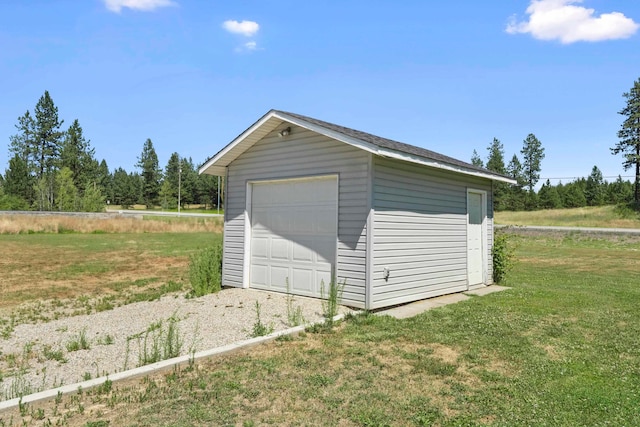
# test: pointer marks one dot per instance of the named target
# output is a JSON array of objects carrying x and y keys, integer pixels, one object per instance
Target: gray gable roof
[
  {"x": 390, "y": 144},
  {"x": 372, "y": 143}
]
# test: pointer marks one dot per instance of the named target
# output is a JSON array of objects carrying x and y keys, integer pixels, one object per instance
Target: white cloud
[
  {"x": 564, "y": 20},
  {"x": 246, "y": 28},
  {"x": 143, "y": 5},
  {"x": 249, "y": 46}
]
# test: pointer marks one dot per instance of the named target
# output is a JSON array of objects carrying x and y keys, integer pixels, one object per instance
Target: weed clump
[
  {"x": 332, "y": 302},
  {"x": 259, "y": 328},
  {"x": 79, "y": 342},
  {"x": 294, "y": 314},
  {"x": 503, "y": 253},
  {"x": 160, "y": 343},
  {"x": 205, "y": 271}
]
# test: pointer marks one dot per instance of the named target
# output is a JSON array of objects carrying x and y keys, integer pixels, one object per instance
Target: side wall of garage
[
  {"x": 303, "y": 153},
  {"x": 420, "y": 229}
]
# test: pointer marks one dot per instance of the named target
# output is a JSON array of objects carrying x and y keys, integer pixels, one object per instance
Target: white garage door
[{"x": 294, "y": 234}]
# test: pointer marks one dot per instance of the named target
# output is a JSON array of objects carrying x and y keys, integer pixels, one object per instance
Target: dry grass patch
[
  {"x": 21, "y": 224},
  {"x": 40, "y": 273},
  {"x": 592, "y": 216},
  {"x": 55, "y": 275}
]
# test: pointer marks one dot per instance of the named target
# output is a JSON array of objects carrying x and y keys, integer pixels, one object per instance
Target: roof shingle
[{"x": 391, "y": 144}]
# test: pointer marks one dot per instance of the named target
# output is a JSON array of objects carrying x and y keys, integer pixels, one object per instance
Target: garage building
[{"x": 307, "y": 201}]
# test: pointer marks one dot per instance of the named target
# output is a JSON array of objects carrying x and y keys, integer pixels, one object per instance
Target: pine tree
[
  {"x": 495, "y": 163},
  {"x": 533, "y": 153},
  {"x": 574, "y": 194},
  {"x": 104, "y": 180},
  {"x": 22, "y": 162},
  {"x": 594, "y": 189},
  {"x": 22, "y": 144},
  {"x": 476, "y": 160},
  {"x": 37, "y": 144},
  {"x": 47, "y": 135},
  {"x": 515, "y": 198},
  {"x": 77, "y": 154},
  {"x": 18, "y": 182},
  {"x": 125, "y": 188},
  {"x": 172, "y": 177},
  {"x": 495, "y": 160},
  {"x": 189, "y": 179},
  {"x": 629, "y": 136},
  {"x": 151, "y": 174},
  {"x": 620, "y": 191},
  {"x": 548, "y": 197},
  {"x": 206, "y": 191}
]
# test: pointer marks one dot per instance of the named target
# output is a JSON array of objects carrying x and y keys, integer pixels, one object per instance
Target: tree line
[
  {"x": 55, "y": 169},
  {"x": 590, "y": 191},
  {"x": 593, "y": 190},
  {"x": 52, "y": 169}
]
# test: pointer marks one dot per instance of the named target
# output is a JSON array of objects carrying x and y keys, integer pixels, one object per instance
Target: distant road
[
  {"x": 581, "y": 229},
  {"x": 160, "y": 213}
]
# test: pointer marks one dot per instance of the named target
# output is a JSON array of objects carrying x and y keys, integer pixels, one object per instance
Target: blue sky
[{"x": 448, "y": 76}]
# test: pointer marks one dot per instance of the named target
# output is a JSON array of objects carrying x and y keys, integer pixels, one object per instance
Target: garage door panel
[
  {"x": 259, "y": 275},
  {"x": 279, "y": 276},
  {"x": 259, "y": 247},
  {"x": 279, "y": 248},
  {"x": 301, "y": 252},
  {"x": 260, "y": 218},
  {"x": 302, "y": 281},
  {"x": 298, "y": 220},
  {"x": 304, "y": 220},
  {"x": 280, "y": 221}
]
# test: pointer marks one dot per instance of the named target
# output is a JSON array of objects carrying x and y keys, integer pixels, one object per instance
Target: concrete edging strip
[{"x": 154, "y": 367}]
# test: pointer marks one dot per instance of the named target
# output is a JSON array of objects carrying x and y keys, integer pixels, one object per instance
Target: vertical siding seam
[
  {"x": 225, "y": 218},
  {"x": 369, "y": 263}
]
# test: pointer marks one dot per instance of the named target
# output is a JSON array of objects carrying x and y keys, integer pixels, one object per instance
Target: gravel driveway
[{"x": 40, "y": 356}]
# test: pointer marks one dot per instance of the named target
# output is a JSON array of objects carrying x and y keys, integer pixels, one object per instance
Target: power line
[{"x": 578, "y": 177}]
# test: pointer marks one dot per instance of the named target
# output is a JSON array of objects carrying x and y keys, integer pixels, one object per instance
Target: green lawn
[{"x": 561, "y": 348}]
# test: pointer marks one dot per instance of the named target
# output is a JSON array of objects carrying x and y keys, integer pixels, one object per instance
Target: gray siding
[
  {"x": 304, "y": 153},
  {"x": 419, "y": 231}
]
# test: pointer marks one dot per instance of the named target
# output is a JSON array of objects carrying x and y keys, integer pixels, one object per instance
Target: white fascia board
[
  {"x": 439, "y": 165},
  {"x": 371, "y": 148},
  {"x": 222, "y": 153},
  {"x": 385, "y": 152}
]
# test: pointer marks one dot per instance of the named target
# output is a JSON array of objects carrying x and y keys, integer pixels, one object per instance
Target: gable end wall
[{"x": 303, "y": 153}]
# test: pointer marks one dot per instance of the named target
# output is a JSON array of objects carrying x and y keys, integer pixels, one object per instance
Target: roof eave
[
  {"x": 218, "y": 163},
  {"x": 385, "y": 152},
  {"x": 441, "y": 165}
]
